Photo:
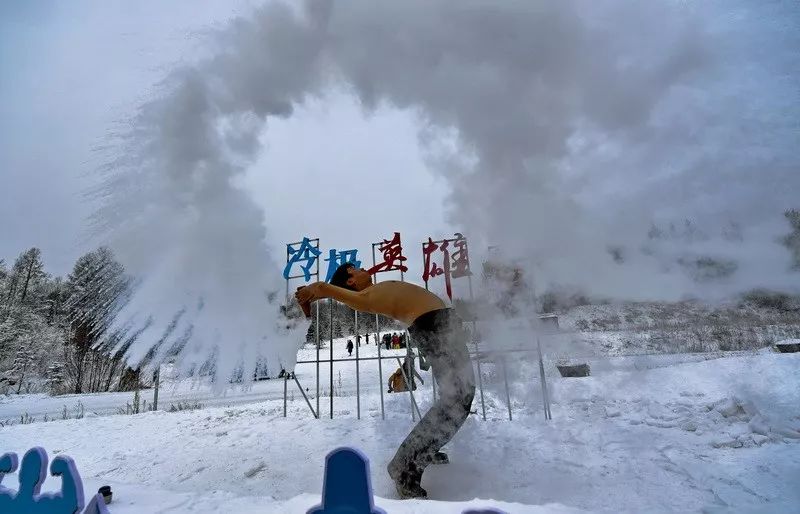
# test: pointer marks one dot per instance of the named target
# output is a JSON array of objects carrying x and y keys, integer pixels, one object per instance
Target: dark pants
[{"x": 442, "y": 342}]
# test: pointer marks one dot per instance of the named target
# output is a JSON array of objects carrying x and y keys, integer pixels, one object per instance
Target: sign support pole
[
  {"x": 358, "y": 380},
  {"x": 378, "y": 341}
]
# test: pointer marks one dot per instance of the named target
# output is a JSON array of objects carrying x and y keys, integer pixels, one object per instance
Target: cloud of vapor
[
  {"x": 569, "y": 127},
  {"x": 177, "y": 220},
  {"x": 563, "y": 128}
]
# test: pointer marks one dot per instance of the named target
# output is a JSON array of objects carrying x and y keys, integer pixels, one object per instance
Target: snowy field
[{"x": 718, "y": 435}]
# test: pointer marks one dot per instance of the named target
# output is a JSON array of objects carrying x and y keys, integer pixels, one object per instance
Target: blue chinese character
[
  {"x": 336, "y": 259},
  {"x": 305, "y": 253}
]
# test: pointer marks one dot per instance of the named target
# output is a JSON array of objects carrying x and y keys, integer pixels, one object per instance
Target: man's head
[{"x": 352, "y": 278}]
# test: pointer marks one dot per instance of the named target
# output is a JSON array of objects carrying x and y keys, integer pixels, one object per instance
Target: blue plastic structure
[
  {"x": 347, "y": 488},
  {"x": 32, "y": 473}
]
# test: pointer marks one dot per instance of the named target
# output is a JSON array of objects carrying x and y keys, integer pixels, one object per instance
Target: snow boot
[
  {"x": 410, "y": 489},
  {"x": 440, "y": 458},
  {"x": 407, "y": 483}
]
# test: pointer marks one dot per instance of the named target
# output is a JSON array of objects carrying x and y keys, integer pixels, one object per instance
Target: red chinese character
[
  {"x": 392, "y": 256},
  {"x": 460, "y": 257},
  {"x": 432, "y": 269}
]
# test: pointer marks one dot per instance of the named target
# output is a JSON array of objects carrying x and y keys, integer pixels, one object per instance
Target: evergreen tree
[
  {"x": 54, "y": 378},
  {"x": 94, "y": 292},
  {"x": 22, "y": 366},
  {"x": 27, "y": 343},
  {"x": 24, "y": 281},
  {"x": 29, "y": 270}
]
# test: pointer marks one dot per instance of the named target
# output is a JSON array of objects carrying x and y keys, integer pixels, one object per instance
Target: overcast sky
[
  {"x": 555, "y": 130},
  {"x": 70, "y": 72},
  {"x": 701, "y": 122}
]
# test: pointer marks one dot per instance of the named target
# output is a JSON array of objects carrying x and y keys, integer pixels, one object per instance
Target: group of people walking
[{"x": 393, "y": 341}]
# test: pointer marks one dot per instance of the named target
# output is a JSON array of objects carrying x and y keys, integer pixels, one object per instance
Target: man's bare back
[{"x": 399, "y": 300}]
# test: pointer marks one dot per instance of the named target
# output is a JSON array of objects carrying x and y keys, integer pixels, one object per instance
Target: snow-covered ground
[{"x": 715, "y": 435}]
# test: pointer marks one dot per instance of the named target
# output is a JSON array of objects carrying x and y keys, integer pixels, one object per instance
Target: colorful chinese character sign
[
  {"x": 392, "y": 256},
  {"x": 431, "y": 269},
  {"x": 460, "y": 266},
  {"x": 336, "y": 259},
  {"x": 306, "y": 255},
  {"x": 454, "y": 265}
]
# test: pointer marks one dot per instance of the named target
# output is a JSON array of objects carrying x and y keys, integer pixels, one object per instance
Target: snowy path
[{"x": 718, "y": 435}]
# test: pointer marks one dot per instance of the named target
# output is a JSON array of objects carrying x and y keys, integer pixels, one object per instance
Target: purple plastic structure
[{"x": 32, "y": 473}]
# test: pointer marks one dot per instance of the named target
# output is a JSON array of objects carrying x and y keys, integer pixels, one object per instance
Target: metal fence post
[
  {"x": 477, "y": 350},
  {"x": 505, "y": 381},
  {"x": 316, "y": 304},
  {"x": 545, "y": 396},
  {"x": 294, "y": 375},
  {"x": 156, "y": 382},
  {"x": 330, "y": 305},
  {"x": 408, "y": 379},
  {"x": 408, "y": 386},
  {"x": 358, "y": 380}
]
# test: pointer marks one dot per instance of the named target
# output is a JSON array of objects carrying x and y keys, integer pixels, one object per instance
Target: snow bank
[{"x": 710, "y": 435}]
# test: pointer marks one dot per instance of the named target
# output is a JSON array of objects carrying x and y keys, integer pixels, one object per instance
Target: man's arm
[{"x": 358, "y": 300}]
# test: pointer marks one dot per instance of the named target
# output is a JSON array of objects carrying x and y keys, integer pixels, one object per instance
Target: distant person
[
  {"x": 358, "y": 339},
  {"x": 395, "y": 341},
  {"x": 397, "y": 380},
  {"x": 387, "y": 341},
  {"x": 349, "y": 347},
  {"x": 438, "y": 333},
  {"x": 366, "y": 338}
]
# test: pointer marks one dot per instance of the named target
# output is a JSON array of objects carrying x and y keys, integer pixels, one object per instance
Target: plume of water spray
[
  {"x": 563, "y": 128},
  {"x": 177, "y": 220}
]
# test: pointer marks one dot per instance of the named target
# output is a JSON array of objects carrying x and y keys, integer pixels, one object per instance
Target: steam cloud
[{"x": 564, "y": 128}]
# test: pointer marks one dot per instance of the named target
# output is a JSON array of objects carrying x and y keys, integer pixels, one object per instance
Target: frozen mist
[{"x": 563, "y": 129}]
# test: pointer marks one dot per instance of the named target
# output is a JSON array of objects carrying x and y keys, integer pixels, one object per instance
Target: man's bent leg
[
  {"x": 434, "y": 430},
  {"x": 440, "y": 423}
]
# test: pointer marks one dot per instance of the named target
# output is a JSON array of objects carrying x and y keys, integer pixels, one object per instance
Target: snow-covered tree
[
  {"x": 21, "y": 324},
  {"x": 54, "y": 378},
  {"x": 24, "y": 281},
  {"x": 27, "y": 274},
  {"x": 94, "y": 293},
  {"x": 22, "y": 366},
  {"x": 27, "y": 334},
  {"x": 54, "y": 333}
]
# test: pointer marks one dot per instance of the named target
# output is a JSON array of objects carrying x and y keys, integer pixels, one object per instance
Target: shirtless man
[{"x": 438, "y": 333}]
